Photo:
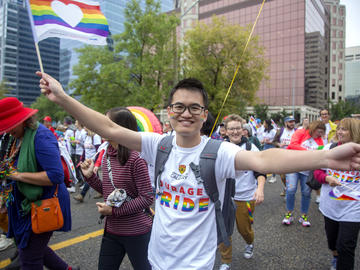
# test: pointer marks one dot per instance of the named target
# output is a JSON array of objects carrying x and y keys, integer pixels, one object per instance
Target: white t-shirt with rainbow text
[{"x": 184, "y": 232}]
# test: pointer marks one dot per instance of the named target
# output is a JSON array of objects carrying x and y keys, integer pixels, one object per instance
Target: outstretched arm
[
  {"x": 93, "y": 120},
  {"x": 344, "y": 157}
]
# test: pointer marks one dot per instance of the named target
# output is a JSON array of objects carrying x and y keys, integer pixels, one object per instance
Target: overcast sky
[{"x": 352, "y": 22}]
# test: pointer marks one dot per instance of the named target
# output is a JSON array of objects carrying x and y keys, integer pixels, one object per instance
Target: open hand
[{"x": 344, "y": 157}]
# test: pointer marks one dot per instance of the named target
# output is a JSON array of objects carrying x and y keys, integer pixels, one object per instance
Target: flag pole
[
  {"x": 36, "y": 41},
  {"x": 39, "y": 57}
]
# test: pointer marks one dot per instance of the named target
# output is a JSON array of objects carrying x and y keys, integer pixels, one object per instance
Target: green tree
[
  {"x": 46, "y": 107},
  {"x": 343, "y": 109},
  {"x": 4, "y": 89},
  {"x": 139, "y": 69},
  {"x": 261, "y": 111},
  {"x": 212, "y": 52}
]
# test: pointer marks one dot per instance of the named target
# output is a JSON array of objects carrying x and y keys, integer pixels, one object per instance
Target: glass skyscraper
[{"x": 18, "y": 59}]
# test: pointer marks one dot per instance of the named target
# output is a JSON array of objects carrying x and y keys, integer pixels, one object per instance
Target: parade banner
[
  {"x": 146, "y": 119},
  {"x": 80, "y": 20}
]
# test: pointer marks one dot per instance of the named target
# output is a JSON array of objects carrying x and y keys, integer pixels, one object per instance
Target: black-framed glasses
[{"x": 194, "y": 109}]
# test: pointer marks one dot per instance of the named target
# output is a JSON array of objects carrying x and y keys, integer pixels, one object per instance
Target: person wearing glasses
[
  {"x": 249, "y": 191},
  {"x": 330, "y": 126},
  {"x": 184, "y": 233}
]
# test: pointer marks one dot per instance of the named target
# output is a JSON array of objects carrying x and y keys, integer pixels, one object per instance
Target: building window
[
  {"x": 341, "y": 22},
  {"x": 334, "y": 21},
  {"x": 333, "y": 70},
  {"x": 334, "y": 45},
  {"x": 341, "y": 34},
  {"x": 334, "y": 9},
  {"x": 340, "y": 98},
  {"x": 326, "y": 83},
  {"x": 334, "y": 57},
  {"x": 341, "y": 45},
  {"x": 340, "y": 66},
  {"x": 341, "y": 55},
  {"x": 333, "y": 83},
  {"x": 342, "y": 11},
  {"x": 340, "y": 88},
  {"x": 325, "y": 96},
  {"x": 332, "y": 95}
]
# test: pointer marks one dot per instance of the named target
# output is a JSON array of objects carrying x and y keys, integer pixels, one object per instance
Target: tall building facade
[
  {"x": 18, "y": 59},
  {"x": 352, "y": 77},
  {"x": 114, "y": 13},
  {"x": 296, "y": 37},
  {"x": 337, "y": 49}
]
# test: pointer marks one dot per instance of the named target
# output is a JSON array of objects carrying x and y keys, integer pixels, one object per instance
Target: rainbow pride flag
[
  {"x": 343, "y": 193},
  {"x": 80, "y": 20}
]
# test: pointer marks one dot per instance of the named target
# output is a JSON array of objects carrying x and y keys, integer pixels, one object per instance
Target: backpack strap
[
  {"x": 207, "y": 177},
  {"x": 162, "y": 155},
  {"x": 248, "y": 146}
]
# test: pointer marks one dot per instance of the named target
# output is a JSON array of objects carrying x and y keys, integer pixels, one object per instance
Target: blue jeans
[{"x": 292, "y": 180}]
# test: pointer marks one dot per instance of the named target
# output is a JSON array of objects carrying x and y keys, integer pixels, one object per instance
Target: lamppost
[{"x": 293, "y": 71}]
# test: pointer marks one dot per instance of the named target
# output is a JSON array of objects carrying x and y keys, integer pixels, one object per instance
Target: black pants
[
  {"x": 76, "y": 160},
  {"x": 114, "y": 247},
  {"x": 342, "y": 236}
]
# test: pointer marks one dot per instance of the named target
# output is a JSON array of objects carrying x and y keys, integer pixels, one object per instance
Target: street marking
[{"x": 64, "y": 244}]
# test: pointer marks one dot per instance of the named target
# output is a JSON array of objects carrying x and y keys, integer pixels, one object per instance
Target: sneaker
[
  {"x": 82, "y": 187},
  {"x": 224, "y": 266},
  {"x": 283, "y": 193},
  {"x": 304, "y": 221},
  {"x": 288, "y": 219},
  {"x": 79, "y": 198},
  {"x": 333, "y": 263},
  {"x": 71, "y": 189},
  {"x": 272, "y": 179},
  {"x": 249, "y": 251},
  {"x": 317, "y": 199},
  {"x": 5, "y": 242}
]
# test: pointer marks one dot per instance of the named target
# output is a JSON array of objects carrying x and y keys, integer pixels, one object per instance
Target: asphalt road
[{"x": 276, "y": 246}]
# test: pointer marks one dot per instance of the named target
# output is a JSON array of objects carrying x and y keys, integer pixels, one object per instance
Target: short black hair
[
  {"x": 208, "y": 125},
  {"x": 190, "y": 84}
]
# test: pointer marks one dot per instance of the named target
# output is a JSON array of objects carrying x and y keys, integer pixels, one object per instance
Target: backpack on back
[{"x": 205, "y": 173}]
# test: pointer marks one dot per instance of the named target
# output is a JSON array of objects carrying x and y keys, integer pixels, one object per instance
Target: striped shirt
[{"x": 129, "y": 219}]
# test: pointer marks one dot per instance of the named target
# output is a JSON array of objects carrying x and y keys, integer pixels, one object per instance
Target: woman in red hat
[{"x": 33, "y": 151}]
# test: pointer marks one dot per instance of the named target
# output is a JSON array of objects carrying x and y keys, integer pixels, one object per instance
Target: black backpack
[{"x": 205, "y": 173}]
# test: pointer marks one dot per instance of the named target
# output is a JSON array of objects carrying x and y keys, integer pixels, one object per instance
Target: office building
[
  {"x": 352, "y": 71},
  {"x": 18, "y": 58},
  {"x": 337, "y": 49},
  {"x": 295, "y": 35}
]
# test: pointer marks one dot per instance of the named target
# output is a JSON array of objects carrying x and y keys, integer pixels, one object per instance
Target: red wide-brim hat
[{"x": 12, "y": 113}]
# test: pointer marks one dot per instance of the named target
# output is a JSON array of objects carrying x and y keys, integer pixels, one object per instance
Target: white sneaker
[
  {"x": 224, "y": 266},
  {"x": 317, "y": 199},
  {"x": 5, "y": 242},
  {"x": 71, "y": 189},
  {"x": 82, "y": 187},
  {"x": 272, "y": 179},
  {"x": 249, "y": 251}
]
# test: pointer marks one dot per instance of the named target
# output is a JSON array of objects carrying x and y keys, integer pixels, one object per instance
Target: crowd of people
[{"x": 126, "y": 168}]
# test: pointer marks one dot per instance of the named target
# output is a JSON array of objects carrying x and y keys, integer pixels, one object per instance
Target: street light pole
[{"x": 293, "y": 90}]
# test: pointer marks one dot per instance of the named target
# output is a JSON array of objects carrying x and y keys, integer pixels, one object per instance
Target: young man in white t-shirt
[
  {"x": 184, "y": 230},
  {"x": 249, "y": 191}
]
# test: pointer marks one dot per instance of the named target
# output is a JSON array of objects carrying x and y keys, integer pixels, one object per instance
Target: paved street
[{"x": 276, "y": 246}]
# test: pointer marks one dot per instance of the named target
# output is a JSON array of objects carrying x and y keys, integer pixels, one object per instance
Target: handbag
[
  {"x": 312, "y": 182},
  {"x": 46, "y": 215}
]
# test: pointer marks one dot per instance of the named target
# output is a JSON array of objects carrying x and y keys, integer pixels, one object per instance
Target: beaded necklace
[{"x": 6, "y": 169}]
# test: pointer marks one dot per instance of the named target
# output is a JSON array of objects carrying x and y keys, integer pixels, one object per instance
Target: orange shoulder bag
[{"x": 46, "y": 214}]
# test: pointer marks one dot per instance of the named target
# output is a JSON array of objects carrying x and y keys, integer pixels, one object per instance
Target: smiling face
[
  {"x": 234, "y": 131},
  {"x": 186, "y": 124},
  {"x": 324, "y": 114},
  {"x": 343, "y": 134},
  {"x": 318, "y": 133}
]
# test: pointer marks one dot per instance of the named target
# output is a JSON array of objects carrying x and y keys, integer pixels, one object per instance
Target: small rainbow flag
[
  {"x": 342, "y": 193},
  {"x": 255, "y": 126},
  {"x": 80, "y": 20}
]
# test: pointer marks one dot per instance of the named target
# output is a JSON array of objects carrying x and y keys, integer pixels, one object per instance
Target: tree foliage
[
  {"x": 343, "y": 109},
  {"x": 138, "y": 70},
  {"x": 46, "y": 107},
  {"x": 212, "y": 53},
  {"x": 4, "y": 89},
  {"x": 261, "y": 111}
]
